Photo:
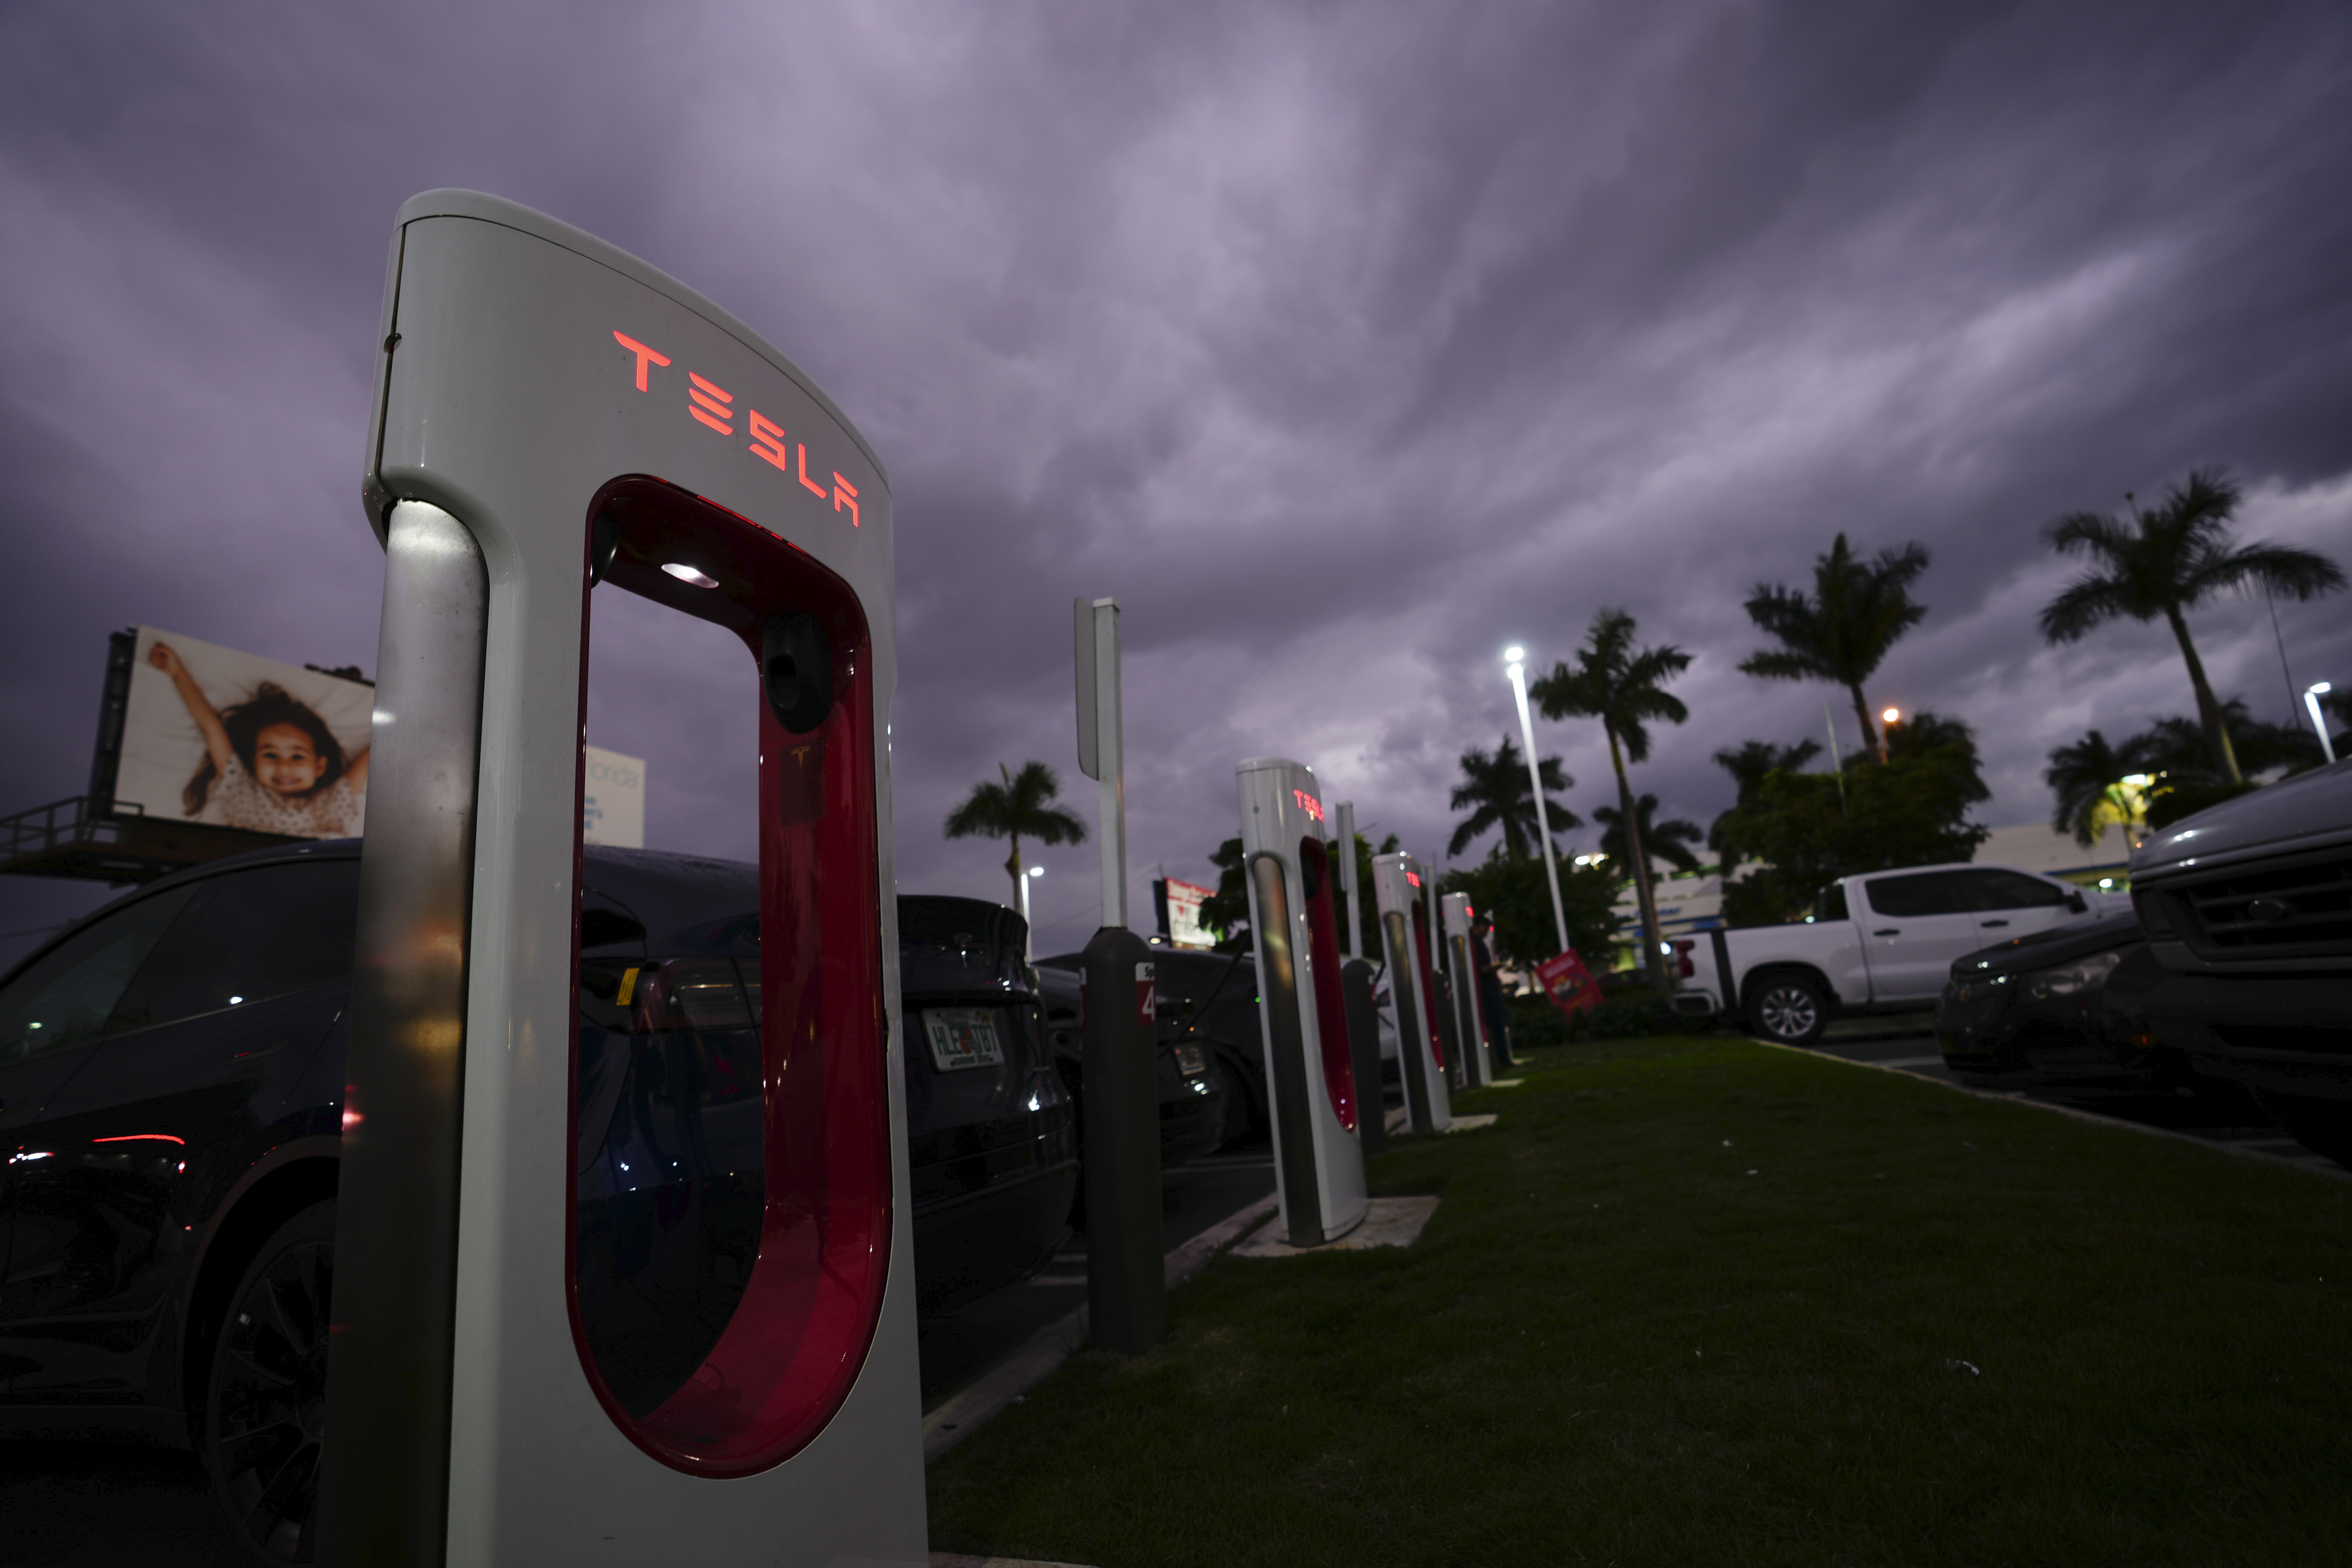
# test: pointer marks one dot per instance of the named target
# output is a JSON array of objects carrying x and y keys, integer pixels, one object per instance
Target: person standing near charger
[{"x": 1490, "y": 990}]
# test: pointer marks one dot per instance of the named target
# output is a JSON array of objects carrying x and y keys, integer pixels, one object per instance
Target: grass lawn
[{"x": 1698, "y": 1301}]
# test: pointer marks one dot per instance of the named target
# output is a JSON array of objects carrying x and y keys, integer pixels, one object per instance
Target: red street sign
[{"x": 1568, "y": 984}]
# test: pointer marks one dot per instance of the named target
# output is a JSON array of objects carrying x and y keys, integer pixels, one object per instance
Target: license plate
[
  {"x": 1193, "y": 1059},
  {"x": 961, "y": 1037}
]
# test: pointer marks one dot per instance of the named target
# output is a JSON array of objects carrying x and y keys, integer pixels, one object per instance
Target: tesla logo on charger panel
[
  {"x": 714, "y": 406},
  {"x": 1308, "y": 804}
]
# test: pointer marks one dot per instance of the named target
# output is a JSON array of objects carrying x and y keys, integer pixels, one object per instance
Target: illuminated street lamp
[
  {"x": 2311, "y": 696},
  {"x": 1890, "y": 716},
  {"x": 1515, "y": 665}
]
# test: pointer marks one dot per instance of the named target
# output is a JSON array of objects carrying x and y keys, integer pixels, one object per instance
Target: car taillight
[{"x": 687, "y": 994}]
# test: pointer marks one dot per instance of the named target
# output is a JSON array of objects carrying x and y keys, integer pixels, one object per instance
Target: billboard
[
  {"x": 210, "y": 734},
  {"x": 1179, "y": 913}
]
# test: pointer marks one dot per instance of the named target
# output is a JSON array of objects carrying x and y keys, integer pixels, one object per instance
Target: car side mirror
[{"x": 2074, "y": 901}]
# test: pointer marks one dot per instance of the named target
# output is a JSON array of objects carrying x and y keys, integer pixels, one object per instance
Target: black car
[
  {"x": 1208, "y": 1001},
  {"x": 1193, "y": 1089},
  {"x": 170, "y": 1089},
  {"x": 993, "y": 1139},
  {"x": 2060, "y": 1006},
  {"x": 2247, "y": 906}
]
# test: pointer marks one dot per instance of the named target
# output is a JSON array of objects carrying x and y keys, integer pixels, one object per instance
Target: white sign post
[{"x": 1101, "y": 750}]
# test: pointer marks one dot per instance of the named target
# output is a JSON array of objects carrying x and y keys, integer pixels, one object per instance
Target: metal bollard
[
  {"x": 1364, "y": 1055},
  {"x": 1127, "y": 1293}
]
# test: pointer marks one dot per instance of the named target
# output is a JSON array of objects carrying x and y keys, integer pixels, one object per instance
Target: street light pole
[
  {"x": 2311, "y": 696},
  {"x": 1028, "y": 926},
  {"x": 1514, "y": 666}
]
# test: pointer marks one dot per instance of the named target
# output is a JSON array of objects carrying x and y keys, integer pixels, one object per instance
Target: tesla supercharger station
[
  {"x": 1469, "y": 1025},
  {"x": 1319, "y": 1165},
  {"x": 1413, "y": 986},
  {"x": 552, "y": 414}
]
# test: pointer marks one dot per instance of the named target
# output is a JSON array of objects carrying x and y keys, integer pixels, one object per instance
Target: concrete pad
[
  {"x": 1390, "y": 1222},
  {"x": 1472, "y": 1123},
  {"x": 960, "y": 1560},
  {"x": 1507, "y": 1083}
]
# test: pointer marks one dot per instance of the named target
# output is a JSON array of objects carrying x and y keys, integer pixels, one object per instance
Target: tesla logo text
[
  {"x": 1413, "y": 877},
  {"x": 1308, "y": 804},
  {"x": 709, "y": 404},
  {"x": 714, "y": 406}
]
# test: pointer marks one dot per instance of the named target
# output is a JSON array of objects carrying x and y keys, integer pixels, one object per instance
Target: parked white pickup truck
[{"x": 1882, "y": 942}]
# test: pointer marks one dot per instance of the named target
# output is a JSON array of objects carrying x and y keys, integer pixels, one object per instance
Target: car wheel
[
  {"x": 2322, "y": 1126},
  {"x": 1789, "y": 1009},
  {"x": 265, "y": 1402}
]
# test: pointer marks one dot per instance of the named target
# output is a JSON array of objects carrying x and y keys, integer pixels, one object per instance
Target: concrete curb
[
  {"x": 2093, "y": 1117},
  {"x": 1052, "y": 1345}
]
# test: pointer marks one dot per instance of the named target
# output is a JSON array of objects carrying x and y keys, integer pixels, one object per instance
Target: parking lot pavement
[
  {"x": 97, "y": 1505},
  {"x": 1907, "y": 1043},
  {"x": 1192, "y": 1198}
]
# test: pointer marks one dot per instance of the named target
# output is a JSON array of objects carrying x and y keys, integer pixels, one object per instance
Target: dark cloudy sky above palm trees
[{"x": 1344, "y": 344}]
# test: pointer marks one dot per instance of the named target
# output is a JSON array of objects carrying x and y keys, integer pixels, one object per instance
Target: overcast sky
[{"x": 1343, "y": 344}]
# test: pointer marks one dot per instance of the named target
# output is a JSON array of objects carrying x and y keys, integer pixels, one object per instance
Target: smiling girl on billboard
[{"x": 277, "y": 767}]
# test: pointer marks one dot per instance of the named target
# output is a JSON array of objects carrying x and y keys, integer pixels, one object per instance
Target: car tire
[
  {"x": 2322, "y": 1126},
  {"x": 1241, "y": 1119},
  {"x": 266, "y": 1397},
  {"x": 1788, "y": 1009}
]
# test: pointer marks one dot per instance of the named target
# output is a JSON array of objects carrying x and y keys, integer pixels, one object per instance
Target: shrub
[
  {"x": 1625, "y": 1018},
  {"x": 1536, "y": 1023}
]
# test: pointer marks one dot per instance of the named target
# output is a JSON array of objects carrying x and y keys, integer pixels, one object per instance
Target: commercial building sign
[{"x": 1180, "y": 912}]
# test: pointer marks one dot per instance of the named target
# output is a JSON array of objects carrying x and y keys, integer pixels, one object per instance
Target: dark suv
[
  {"x": 2249, "y": 905},
  {"x": 170, "y": 1087}
]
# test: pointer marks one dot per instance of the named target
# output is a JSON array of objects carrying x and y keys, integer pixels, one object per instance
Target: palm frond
[{"x": 2084, "y": 604}]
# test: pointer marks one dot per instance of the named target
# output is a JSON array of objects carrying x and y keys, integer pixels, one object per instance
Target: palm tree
[
  {"x": 1669, "y": 840},
  {"x": 2164, "y": 562},
  {"x": 1494, "y": 790},
  {"x": 1749, "y": 765},
  {"x": 1227, "y": 908},
  {"x": 1022, "y": 805},
  {"x": 2086, "y": 778},
  {"x": 1859, "y": 609},
  {"x": 2177, "y": 745},
  {"x": 1625, "y": 690}
]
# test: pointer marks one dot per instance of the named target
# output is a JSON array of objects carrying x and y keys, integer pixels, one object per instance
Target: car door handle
[
  {"x": 1888, "y": 930},
  {"x": 1990, "y": 925}
]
